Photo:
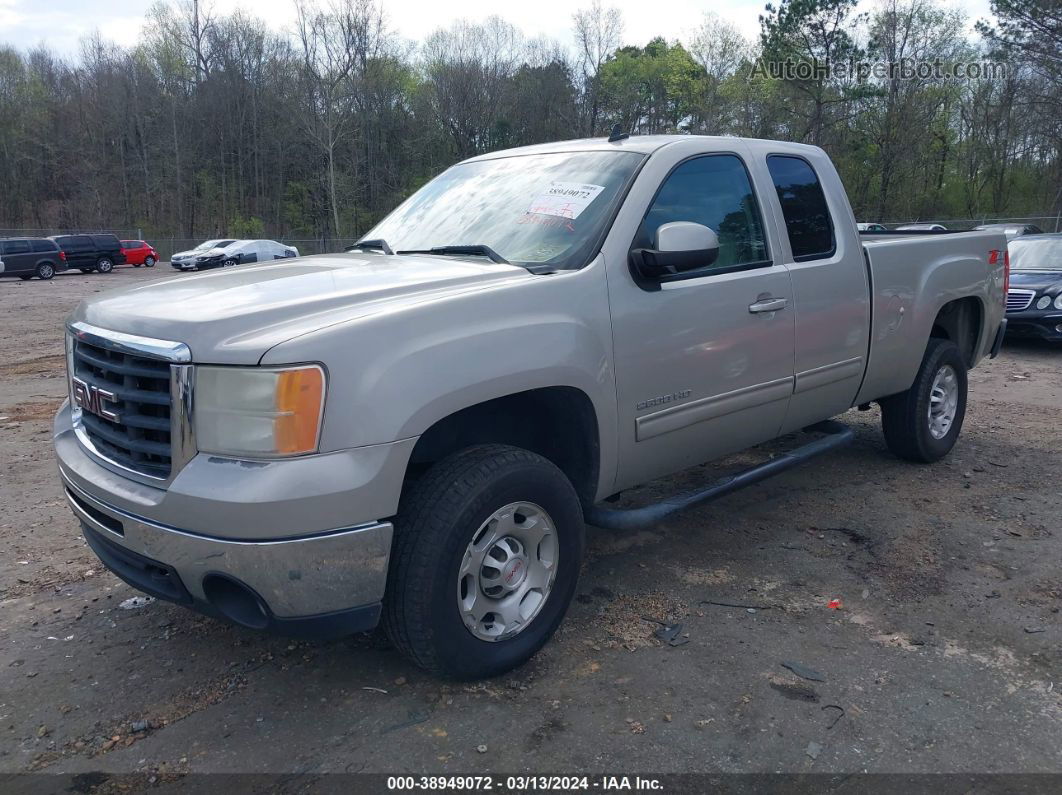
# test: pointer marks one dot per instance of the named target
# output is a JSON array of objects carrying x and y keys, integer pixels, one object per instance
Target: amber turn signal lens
[{"x": 300, "y": 395}]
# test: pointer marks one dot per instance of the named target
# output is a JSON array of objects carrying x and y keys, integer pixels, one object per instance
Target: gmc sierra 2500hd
[{"x": 413, "y": 432}]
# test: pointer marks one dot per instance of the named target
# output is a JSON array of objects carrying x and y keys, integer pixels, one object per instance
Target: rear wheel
[
  {"x": 923, "y": 423},
  {"x": 45, "y": 271},
  {"x": 485, "y": 561},
  {"x": 104, "y": 265}
]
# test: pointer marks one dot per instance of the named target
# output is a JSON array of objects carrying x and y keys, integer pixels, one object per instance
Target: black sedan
[{"x": 1034, "y": 301}]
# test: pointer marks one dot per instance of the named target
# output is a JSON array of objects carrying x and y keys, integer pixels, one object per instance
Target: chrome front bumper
[
  {"x": 276, "y": 530},
  {"x": 295, "y": 578}
]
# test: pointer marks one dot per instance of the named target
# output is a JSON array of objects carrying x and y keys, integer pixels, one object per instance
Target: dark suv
[
  {"x": 91, "y": 252},
  {"x": 27, "y": 257}
]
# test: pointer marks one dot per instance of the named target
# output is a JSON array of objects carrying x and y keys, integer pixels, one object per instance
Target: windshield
[
  {"x": 206, "y": 244},
  {"x": 530, "y": 209},
  {"x": 1042, "y": 254}
]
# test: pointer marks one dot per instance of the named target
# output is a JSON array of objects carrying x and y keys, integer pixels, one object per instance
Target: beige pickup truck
[{"x": 414, "y": 432}]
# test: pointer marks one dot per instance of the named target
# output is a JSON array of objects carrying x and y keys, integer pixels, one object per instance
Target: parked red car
[{"x": 138, "y": 253}]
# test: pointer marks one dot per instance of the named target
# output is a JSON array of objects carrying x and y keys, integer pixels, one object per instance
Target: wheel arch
[
  {"x": 961, "y": 321},
  {"x": 559, "y": 423}
]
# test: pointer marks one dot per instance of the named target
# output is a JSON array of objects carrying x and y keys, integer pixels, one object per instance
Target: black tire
[
  {"x": 905, "y": 418},
  {"x": 45, "y": 271},
  {"x": 149, "y": 261},
  {"x": 25, "y": 278},
  {"x": 437, "y": 519},
  {"x": 229, "y": 263},
  {"x": 104, "y": 265}
]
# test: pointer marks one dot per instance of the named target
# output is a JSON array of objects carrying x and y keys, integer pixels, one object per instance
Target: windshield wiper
[
  {"x": 378, "y": 244},
  {"x": 476, "y": 250}
]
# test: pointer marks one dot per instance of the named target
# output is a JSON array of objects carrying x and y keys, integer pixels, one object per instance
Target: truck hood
[{"x": 235, "y": 315}]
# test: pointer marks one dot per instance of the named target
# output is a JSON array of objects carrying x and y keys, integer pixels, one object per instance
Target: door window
[
  {"x": 807, "y": 217},
  {"x": 715, "y": 191}
]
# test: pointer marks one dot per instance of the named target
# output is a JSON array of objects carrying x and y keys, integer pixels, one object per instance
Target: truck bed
[{"x": 911, "y": 277}]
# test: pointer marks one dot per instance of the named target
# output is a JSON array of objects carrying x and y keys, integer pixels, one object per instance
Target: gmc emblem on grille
[{"x": 94, "y": 400}]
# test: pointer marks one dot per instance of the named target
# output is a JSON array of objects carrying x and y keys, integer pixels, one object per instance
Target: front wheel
[
  {"x": 149, "y": 261},
  {"x": 104, "y": 265},
  {"x": 923, "y": 423},
  {"x": 485, "y": 561},
  {"x": 229, "y": 263}
]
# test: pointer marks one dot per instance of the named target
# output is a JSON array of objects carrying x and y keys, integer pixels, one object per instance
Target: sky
[{"x": 61, "y": 23}]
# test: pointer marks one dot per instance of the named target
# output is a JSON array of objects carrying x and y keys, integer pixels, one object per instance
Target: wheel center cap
[{"x": 514, "y": 572}]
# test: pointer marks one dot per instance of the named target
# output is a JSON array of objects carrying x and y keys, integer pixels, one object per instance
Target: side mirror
[{"x": 679, "y": 246}]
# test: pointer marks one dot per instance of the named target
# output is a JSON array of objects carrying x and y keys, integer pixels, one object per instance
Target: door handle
[{"x": 768, "y": 305}]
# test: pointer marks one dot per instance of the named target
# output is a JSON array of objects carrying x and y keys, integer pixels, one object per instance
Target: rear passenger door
[
  {"x": 831, "y": 295},
  {"x": 80, "y": 252}
]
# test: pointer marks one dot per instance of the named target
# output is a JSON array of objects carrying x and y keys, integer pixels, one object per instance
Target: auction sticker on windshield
[{"x": 566, "y": 199}]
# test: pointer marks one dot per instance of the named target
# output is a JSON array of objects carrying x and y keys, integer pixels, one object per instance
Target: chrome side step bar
[{"x": 837, "y": 435}]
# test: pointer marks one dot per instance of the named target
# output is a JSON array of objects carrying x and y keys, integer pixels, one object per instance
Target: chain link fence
[
  {"x": 1048, "y": 223},
  {"x": 168, "y": 246}
]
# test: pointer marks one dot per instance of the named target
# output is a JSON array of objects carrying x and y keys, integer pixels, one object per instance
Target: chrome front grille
[
  {"x": 1019, "y": 300},
  {"x": 131, "y": 424},
  {"x": 131, "y": 400}
]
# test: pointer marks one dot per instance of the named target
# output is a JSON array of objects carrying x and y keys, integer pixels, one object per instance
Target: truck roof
[{"x": 644, "y": 144}]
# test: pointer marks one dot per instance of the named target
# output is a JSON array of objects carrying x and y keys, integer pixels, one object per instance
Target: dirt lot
[{"x": 944, "y": 656}]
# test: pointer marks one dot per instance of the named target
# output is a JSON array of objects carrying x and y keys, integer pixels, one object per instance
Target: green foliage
[
  {"x": 215, "y": 124},
  {"x": 251, "y": 227},
  {"x": 651, "y": 89}
]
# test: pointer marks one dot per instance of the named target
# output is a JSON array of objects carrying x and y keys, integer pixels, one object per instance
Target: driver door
[{"x": 703, "y": 358}]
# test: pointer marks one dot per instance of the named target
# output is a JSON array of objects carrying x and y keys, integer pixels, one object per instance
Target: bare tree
[
  {"x": 598, "y": 32},
  {"x": 467, "y": 66},
  {"x": 334, "y": 42}
]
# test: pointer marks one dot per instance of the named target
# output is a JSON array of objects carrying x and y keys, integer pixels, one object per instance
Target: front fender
[{"x": 395, "y": 373}]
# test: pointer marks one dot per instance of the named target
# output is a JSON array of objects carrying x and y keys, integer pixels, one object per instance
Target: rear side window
[
  {"x": 715, "y": 191},
  {"x": 43, "y": 245},
  {"x": 16, "y": 247},
  {"x": 807, "y": 218},
  {"x": 131, "y": 244},
  {"x": 75, "y": 242}
]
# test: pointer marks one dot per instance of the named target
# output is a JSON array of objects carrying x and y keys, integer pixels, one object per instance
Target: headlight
[
  {"x": 1058, "y": 301},
  {"x": 258, "y": 412},
  {"x": 1043, "y": 302}
]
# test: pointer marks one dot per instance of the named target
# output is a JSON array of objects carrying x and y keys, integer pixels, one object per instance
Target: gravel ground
[{"x": 944, "y": 655}]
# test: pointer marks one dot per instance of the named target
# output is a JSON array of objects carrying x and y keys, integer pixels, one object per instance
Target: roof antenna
[{"x": 617, "y": 134}]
